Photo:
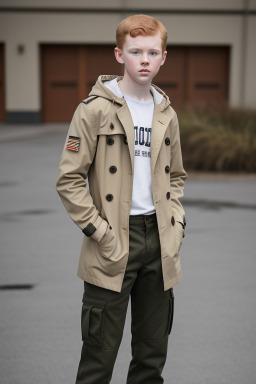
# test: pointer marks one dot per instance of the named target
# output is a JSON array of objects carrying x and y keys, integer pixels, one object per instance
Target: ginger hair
[{"x": 140, "y": 25}]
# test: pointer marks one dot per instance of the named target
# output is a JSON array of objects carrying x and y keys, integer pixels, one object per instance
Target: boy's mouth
[{"x": 144, "y": 71}]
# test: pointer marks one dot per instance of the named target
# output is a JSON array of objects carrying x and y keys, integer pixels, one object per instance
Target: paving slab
[{"x": 213, "y": 340}]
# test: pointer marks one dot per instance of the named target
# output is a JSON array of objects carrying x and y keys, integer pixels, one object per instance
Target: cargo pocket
[
  {"x": 92, "y": 320},
  {"x": 171, "y": 311}
]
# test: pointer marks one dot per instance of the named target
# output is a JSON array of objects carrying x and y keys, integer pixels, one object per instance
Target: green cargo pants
[{"x": 104, "y": 312}]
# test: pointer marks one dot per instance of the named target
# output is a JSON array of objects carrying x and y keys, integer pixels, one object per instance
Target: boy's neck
[{"x": 138, "y": 92}]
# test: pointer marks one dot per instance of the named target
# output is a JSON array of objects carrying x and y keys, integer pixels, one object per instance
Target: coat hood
[{"x": 100, "y": 90}]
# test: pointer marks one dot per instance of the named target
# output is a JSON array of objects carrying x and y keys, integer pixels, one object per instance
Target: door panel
[
  {"x": 208, "y": 75},
  {"x": 60, "y": 79},
  {"x": 171, "y": 77},
  {"x": 101, "y": 61}
]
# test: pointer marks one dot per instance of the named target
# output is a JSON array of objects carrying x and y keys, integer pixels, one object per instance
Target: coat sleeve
[
  {"x": 73, "y": 169},
  {"x": 177, "y": 173}
]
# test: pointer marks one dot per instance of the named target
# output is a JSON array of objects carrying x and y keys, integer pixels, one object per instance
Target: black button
[
  {"x": 167, "y": 169},
  {"x": 125, "y": 140},
  {"x": 168, "y": 195},
  {"x": 110, "y": 141},
  {"x": 172, "y": 220},
  {"x": 109, "y": 197},
  {"x": 111, "y": 126},
  {"x": 167, "y": 141},
  {"x": 112, "y": 169}
]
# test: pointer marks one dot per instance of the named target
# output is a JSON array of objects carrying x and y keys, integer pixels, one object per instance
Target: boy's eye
[
  {"x": 153, "y": 53},
  {"x": 135, "y": 53}
]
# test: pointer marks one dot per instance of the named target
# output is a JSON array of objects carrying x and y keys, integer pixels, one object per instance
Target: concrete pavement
[{"x": 213, "y": 339}]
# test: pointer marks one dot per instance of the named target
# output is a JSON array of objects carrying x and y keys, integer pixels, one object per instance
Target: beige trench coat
[{"x": 104, "y": 132}]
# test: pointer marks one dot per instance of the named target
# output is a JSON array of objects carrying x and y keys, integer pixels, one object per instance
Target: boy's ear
[
  {"x": 119, "y": 55},
  {"x": 164, "y": 58}
]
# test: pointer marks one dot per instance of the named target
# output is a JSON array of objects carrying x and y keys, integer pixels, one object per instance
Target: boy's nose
[{"x": 144, "y": 59}]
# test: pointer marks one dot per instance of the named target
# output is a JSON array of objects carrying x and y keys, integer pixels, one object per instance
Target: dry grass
[{"x": 222, "y": 140}]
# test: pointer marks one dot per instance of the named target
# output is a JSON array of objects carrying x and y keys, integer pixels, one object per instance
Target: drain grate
[{"x": 16, "y": 287}]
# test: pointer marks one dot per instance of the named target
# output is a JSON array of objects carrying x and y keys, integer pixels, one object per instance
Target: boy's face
[{"x": 142, "y": 57}]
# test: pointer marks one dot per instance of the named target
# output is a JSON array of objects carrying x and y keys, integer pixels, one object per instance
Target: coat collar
[{"x": 99, "y": 89}]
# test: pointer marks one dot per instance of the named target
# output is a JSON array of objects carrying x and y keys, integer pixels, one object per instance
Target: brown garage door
[
  {"x": 190, "y": 75},
  {"x": 2, "y": 95},
  {"x": 171, "y": 77},
  {"x": 195, "y": 75},
  {"x": 68, "y": 73}
]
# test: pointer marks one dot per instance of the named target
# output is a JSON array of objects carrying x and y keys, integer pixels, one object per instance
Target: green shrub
[{"x": 217, "y": 139}]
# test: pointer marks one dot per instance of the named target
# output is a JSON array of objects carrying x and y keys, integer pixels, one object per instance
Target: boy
[{"x": 125, "y": 138}]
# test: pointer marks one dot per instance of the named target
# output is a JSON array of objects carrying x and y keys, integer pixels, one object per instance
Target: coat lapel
[
  {"x": 159, "y": 126},
  {"x": 126, "y": 120}
]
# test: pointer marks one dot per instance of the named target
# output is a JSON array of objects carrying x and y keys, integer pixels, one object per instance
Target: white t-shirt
[{"x": 142, "y": 116}]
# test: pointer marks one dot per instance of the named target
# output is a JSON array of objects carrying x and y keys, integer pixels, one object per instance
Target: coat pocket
[
  {"x": 92, "y": 320},
  {"x": 171, "y": 311},
  {"x": 179, "y": 232},
  {"x": 107, "y": 244}
]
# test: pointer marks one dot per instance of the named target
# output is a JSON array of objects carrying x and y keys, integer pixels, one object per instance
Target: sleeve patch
[{"x": 73, "y": 143}]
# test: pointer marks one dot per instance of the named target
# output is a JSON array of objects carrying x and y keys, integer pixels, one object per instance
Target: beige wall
[
  {"x": 135, "y": 4},
  {"x": 31, "y": 29},
  {"x": 61, "y": 3}
]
